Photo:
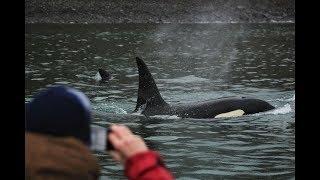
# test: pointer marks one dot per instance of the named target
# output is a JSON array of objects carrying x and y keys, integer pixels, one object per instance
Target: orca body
[{"x": 151, "y": 103}]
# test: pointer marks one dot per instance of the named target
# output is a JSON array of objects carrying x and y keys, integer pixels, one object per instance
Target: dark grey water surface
[{"x": 190, "y": 62}]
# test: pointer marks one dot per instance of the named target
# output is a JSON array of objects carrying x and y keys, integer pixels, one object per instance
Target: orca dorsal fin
[
  {"x": 105, "y": 76},
  {"x": 148, "y": 91}
]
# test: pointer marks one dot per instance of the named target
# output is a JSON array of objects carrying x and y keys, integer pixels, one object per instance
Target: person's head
[{"x": 60, "y": 111}]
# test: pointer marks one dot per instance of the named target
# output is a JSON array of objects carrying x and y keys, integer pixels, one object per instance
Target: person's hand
[{"x": 126, "y": 144}]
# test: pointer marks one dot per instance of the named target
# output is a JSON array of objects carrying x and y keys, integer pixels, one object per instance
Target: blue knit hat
[{"x": 60, "y": 111}]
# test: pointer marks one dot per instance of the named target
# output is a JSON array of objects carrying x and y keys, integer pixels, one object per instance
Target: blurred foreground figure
[{"x": 58, "y": 140}]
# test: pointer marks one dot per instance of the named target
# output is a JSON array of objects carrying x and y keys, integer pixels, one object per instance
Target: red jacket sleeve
[{"x": 147, "y": 166}]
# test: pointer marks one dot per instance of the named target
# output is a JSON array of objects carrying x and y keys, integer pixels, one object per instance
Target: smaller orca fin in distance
[
  {"x": 148, "y": 91},
  {"x": 104, "y": 75}
]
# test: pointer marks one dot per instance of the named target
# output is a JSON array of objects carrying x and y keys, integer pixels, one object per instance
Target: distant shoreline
[{"x": 161, "y": 11}]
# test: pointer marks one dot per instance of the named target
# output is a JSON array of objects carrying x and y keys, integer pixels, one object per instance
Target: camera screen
[{"x": 98, "y": 138}]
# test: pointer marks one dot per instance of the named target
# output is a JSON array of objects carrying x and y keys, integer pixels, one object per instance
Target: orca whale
[
  {"x": 150, "y": 102},
  {"x": 102, "y": 75}
]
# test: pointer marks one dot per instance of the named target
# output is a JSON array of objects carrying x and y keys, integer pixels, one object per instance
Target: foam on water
[
  {"x": 282, "y": 110},
  {"x": 185, "y": 79},
  {"x": 112, "y": 108},
  {"x": 287, "y": 100},
  {"x": 166, "y": 117},
  {"x": 97, "y": 77},
  {"x": 293, "y": 98},
  {"x": 141, "y": 108},
  {"x": 286, "y": 109}
]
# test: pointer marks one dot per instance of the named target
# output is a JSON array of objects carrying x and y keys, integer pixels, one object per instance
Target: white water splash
[
  {"x": 97, "y": 77},
  {"x": 140, "y": 109},
  {"x": 112, "y": 108},
  {"x": 293, "y": 98},
  {"x": 287, "y": 100},
  {"x": 282, "y": 110},
  {"x": 166, "y": 116}
]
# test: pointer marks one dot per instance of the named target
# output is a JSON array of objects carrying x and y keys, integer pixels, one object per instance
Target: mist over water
[{"x": 190, "y": 62}]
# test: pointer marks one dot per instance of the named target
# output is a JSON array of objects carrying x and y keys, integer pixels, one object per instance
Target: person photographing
[{"x": 59, "y": 138}]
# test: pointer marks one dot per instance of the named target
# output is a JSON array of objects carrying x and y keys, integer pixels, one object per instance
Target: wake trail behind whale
[{"x": 281, "y": 110}]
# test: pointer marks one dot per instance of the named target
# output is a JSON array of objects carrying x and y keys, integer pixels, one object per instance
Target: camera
[
  {"x": 109, "y": 144},
  {"x": 99, "y": 139}
]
